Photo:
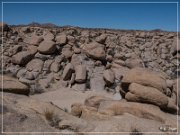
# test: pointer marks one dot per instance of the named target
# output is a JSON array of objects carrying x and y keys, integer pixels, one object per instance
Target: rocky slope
[{"x": 94, "y": 80}]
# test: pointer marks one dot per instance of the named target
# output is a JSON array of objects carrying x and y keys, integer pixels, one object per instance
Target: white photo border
[{"x": 2, "y": 3}]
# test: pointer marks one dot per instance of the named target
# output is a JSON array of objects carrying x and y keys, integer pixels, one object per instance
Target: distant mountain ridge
[{"x": 51, "y": 25}]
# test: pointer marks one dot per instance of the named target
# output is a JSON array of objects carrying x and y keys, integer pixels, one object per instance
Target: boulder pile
[
  {"x": 139, "y": 67},
  {"x": 95, "y": 59}
]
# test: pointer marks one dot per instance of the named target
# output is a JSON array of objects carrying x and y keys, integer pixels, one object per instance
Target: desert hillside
[{"x": 81, "y": 80}]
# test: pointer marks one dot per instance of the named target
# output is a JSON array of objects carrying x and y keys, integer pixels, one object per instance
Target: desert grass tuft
[{"x": 49, "y": 114}]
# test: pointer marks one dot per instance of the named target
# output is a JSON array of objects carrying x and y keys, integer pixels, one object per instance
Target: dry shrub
[{"x": 49, "y": 114}]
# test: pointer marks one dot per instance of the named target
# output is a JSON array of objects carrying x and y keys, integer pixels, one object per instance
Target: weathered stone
[
  {"x": 61, "y": 39},
  {"x": 33, "y": 40},
  {"x": 118, "y": 55},
  {"x": 117, "y": 96},
  {"x": 97, "y": 82},
  {"x": 22, "y": 113},
  {"x": 133, "y": 63},
  {"x": 68, "y": 70},
  {"x": 123, "y": 50},
  {"x": 89, "y": 113},
  {"x": 95, "y": 50},
  {"x": 67, "y": 52},
  {"x": 13, "y": 69},
  {"x": 109, "y": 77},
  {"x": 26, "y": 81},
  {"x": 21, "y": 73},
  {"x": 94, "y": 101},
  {"x": 119, "y": 71},
  {"x": 170, "y": 83},
  {"x": 77, "y": 50},
  {"x": 64, "y": 83},
  {"x": 47, "y": 35},
  {"x": 35, "y": 65},
  {"x": 59, "y": 58},
  {"x": 163, "y": 56},
  {"x": 29, "y": 75},
  {"x": 76, "y": 109},
  {"x": 15, "y": 49},
  {"x": 168, "y": 92},
  {"x": 109, "y": 58},
  {"x": 176, "y": 90},
  {"x": 147, "y": 95},
  {"x": 55, "y": 67},
  {"x": 79, "y": 86},
  {"x": 101, "y": 39},
  {"x": 175, "y": 46},
  {"x": 71, "y": 82},
  {"x": 172, "y": 106},
  {"x": 77, "y": 59},
  {"x": 32, "y": 49},
  {"x": 80, "y": 71},
  {"x": 25, "y": 30},
  {"x": 137, "y": 109},
  {"x": 119, "y": 62},
  {"x": 145, "y": 77},
  {"x": 22, "y": 58},
  {"x": 43, "y": 56},
  {"x": 128, "y": 55},
  {"x": 108, "y": 65},
  {"x": 47, "y": 47},
  {"x": 98, "y": 63},
  {"x": 47, "y": 65},
  {"x": 45, "y": 83},
  {"x": 12, "y": 85}
]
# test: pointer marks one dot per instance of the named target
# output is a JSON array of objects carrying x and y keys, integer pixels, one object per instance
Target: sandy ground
[{"x": 65, "y": 97}]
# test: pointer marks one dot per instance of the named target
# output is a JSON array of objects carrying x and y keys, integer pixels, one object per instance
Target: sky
[{"x": 139, "y": 16}]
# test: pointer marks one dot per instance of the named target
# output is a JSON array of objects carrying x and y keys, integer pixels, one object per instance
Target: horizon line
[{"x": 86, "y": 27}]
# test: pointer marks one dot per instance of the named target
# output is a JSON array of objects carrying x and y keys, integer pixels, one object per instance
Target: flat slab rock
[
  {"x": 25, "y": 114},
  {"x": 65, "y": 97},
  {"x": 12, "y": 85},
  {"x": 31, "y": 118}
]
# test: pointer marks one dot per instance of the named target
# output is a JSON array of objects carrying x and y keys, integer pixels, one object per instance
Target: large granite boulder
[
  {"x": 95, "y": 50},
  {"x": 146, "y": 94},
  {"x": 33, "y": 40},
  {"x": 145, "y": 77},
  {"x": 47, "y": 47},
  {"x": 22, "y": 58},
  {"x": 67, "y": 51},
  {"x": 61, "y": 39}
]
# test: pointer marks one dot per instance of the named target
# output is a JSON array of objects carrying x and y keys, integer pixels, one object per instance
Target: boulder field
[{"x": 80, "y": 80}]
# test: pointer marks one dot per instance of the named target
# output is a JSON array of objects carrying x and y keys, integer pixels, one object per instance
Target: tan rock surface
[
  {"x": 145, "y": 77},
  {"x": 140, "y": 93},
  {"x": 12, "y": 85}
]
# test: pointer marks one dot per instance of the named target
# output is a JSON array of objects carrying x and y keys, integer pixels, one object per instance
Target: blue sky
[{"x": 144, "y": 16}]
